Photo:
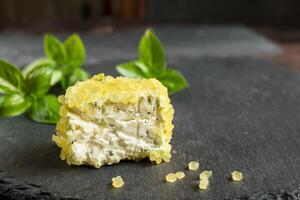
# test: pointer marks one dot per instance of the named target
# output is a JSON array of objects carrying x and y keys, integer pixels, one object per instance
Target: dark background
[
  {"x": 278, "y": 20},
  {"x": 241, "y": 111},
  {"x": 88, "y": 14}
]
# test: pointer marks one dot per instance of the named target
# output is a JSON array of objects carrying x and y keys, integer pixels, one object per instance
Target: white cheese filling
[{"x": 115, "y": 132}]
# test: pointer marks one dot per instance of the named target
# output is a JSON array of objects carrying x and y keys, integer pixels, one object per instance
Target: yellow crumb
[
  {"x": 171, "y": 178},
  {"x": 203, "y": 184},
  {"x": 205, "y": 174},
  {"x": 180, "y": 175},
  {"x": 193, "y": 165},
  {"x": 117, "y": 182},
  {"x": 237, "y": 176}
]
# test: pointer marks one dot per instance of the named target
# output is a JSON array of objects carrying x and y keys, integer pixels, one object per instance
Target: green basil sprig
[
  {"x": 152, "y": 64},
  {"x": 27, "y": 93},
  {"x": 66, "y": 59}
]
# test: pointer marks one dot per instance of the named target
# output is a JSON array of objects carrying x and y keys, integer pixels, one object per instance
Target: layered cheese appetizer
[{"x": 104, "y": 120}]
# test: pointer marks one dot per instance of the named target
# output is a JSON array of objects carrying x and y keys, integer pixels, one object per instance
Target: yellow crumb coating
[
  {"x": 237, "y": 176},
  {"x": 79, "y": 116},
  {"x": 117, "y": 182},
  {"x": 193, "y": 165},
  {"x": 180, "y": 175},
  {"x": 171, "y": 178},
  {"x": 205, "y": 174},
  {"x": 203, "y": 184}
]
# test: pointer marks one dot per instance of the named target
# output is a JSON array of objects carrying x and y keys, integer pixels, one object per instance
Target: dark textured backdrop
[
  {"x": 241, "y": 112},
  {"x": 254, "y": 12}
]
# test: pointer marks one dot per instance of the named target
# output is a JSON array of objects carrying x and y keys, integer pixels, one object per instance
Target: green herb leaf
[
  {"x": 13, "y": 105},
  {"x": 45, "y": 109},
  {"x": 151, "y": 52},
  {"x": 75, "y": 50},
  {"x": 152, "y": 64},
  {"x": 77, "y": 75},
  {"x": 143, "y": 68},
  {"x": 173, "y": 80},
  {"x": 38, "y": 81},
  {"x": 56, "y": 76},
  {"x": 54, "y": 49},
  {"x": 130, "y": 69},
  {"x": 37, "y": 63},
  {"x": 11, "y": 78}
]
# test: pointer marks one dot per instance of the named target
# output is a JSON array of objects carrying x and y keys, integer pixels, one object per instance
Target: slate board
[
  {"x": 191, "y": 41},
  {"x": 238, "y": 114}
]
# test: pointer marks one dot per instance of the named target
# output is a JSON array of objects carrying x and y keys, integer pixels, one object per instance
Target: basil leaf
[
  {"x": 75, "y": 50},
  {"x": 173, "y": 80},
  {"x": 56, "y": 77},
  {"x": 12, "y": 105},
  {"x": 37, "y": 63},
  {"x": 11, "y": 78},
  {"x": 77, "y": 75},
  {"x": 45, "y": 109},
  {"x": 54, "y": 49},
  {"x": 151, "y": 52},
  {"x": 130, "y": 69},
  {"x": 64, "y": 82},
  {"x": 143, "y": 68},
  {"x": 38, "y": 81},
  {"x": 67, "y": 69}
]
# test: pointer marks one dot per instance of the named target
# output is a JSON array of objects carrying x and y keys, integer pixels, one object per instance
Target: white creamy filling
[{"x": 117, "y": 133}]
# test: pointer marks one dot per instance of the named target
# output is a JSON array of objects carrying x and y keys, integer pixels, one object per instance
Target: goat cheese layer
[{"x": 104, "y": 120}]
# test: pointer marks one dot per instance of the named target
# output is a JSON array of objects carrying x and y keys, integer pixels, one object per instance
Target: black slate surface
[
  {"x": 191, "y": 41},
  {"x": 238, "y": 114}
]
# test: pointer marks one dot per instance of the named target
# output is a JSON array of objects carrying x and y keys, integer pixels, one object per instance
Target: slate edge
[{"x": 14, "y": 189}]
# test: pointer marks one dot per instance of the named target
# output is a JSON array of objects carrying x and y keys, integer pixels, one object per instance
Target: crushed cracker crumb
[
  {"x": 193, "y": 165},
  {"x": 237, "y": 176},
  {"x": 205, "y": 174},
  {"x": 180, "y": 175},
  {"x": 117, "y": 182}
]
